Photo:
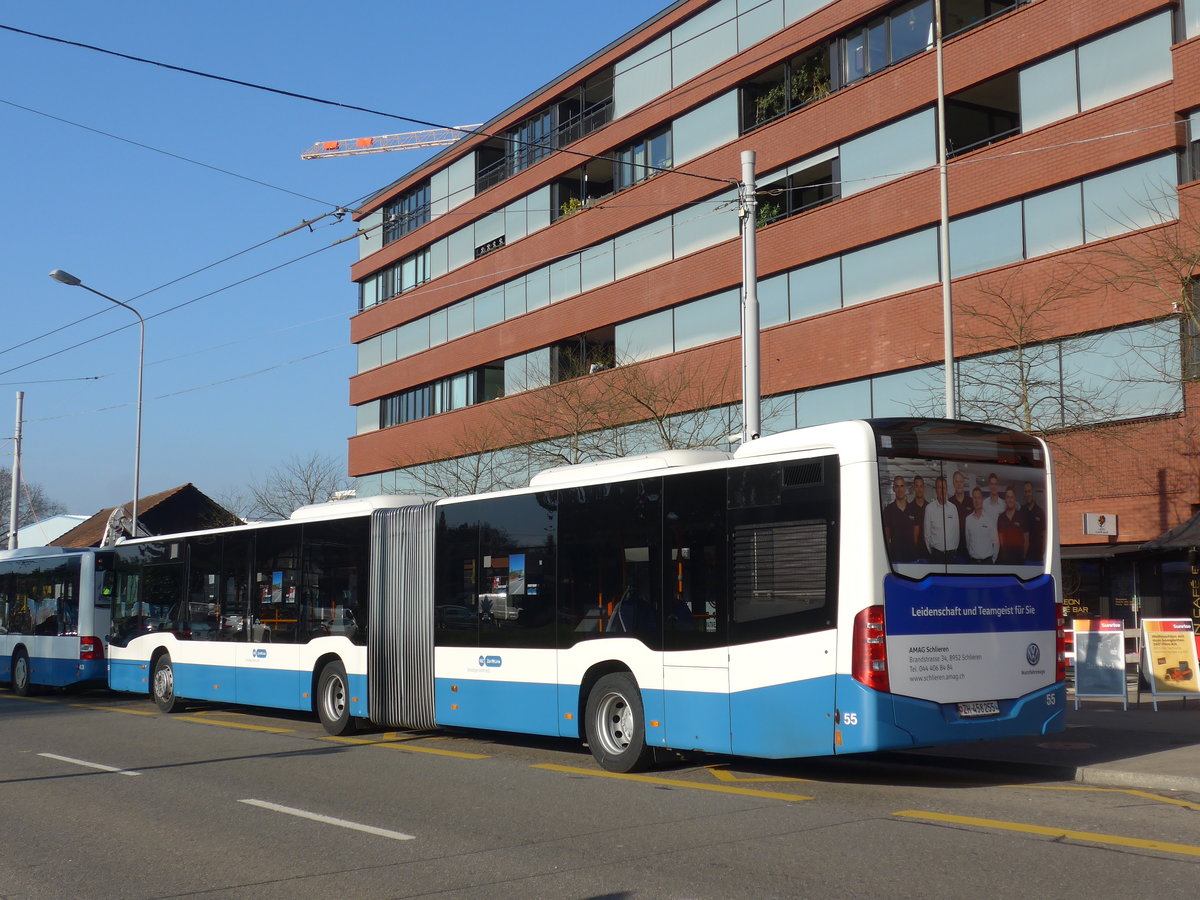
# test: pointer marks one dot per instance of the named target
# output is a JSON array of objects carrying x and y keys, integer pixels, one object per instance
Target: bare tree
[
  {"x": 33, "y": 506},
  {"x": 582, "y": 413},
  {"x": 475, "y": 466},
  {"x": 297, "y": 482},
  {"x": 1015, "y": 371},
  {"x": 665, "y": 404}
]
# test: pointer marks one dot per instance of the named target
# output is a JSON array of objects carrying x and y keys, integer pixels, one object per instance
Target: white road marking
[
  {"x": 330, "y": 820},
  {"x": 90, "y": 765}
]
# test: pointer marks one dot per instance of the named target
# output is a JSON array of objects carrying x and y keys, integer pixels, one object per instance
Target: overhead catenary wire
[
  {"x": 335, "y": 103},
  {"x": 168, "y": 153},
  {"x": 185, "y": 303}
]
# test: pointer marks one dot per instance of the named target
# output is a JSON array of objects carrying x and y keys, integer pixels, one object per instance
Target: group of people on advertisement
[{"x": 1003, "y": 526}]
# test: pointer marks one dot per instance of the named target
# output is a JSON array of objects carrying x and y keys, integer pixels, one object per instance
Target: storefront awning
[
  {"x": 1098, "y": 551},
  {"x": 1181, "y": 537}
]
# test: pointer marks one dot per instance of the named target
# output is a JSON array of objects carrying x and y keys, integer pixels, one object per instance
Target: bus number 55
[{"x": 849, "y": 718}]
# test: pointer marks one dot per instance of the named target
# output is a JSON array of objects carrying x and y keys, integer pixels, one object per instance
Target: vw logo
[{"x": 1033, "y": 654}]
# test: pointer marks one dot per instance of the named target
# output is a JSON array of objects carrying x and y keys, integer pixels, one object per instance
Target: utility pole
[
  {"x": 944, "y": 230},
  {"x": 751, "y": 363},
  {"x": 15, "y": 495}
]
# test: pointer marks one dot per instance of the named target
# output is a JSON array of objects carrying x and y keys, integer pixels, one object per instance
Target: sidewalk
[{"x": 1102, "y": 745}]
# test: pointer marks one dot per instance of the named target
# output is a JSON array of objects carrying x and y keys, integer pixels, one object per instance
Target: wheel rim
[
  {"x": 334, "y": 698},
  {"x": 614, "y": 724},
  {"x": 20, "y": 672},
  {"x": 164, "y": 683}
]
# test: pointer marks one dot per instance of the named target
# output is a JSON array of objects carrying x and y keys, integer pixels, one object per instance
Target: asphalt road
[{"x": 102, "y": 796}]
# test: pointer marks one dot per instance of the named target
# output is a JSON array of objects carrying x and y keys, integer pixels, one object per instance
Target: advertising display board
[
  {"x": 948, "y": 651},
  {"x": 1169, "y": 661},
  {"x": 1100, "y": 659}
]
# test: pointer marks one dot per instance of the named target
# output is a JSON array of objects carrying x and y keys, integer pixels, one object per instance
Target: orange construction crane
[{"x": 384, "y": 143}]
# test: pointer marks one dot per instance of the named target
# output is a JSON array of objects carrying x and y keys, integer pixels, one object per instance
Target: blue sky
[{"x": 241, "y": 380}]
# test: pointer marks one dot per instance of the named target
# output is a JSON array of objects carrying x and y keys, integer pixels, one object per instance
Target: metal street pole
[
  {"x": 67, "y": 278},
  {"x": 751, "y": 362},
  {"x": 15, "y": 495},
  {"x": 944, "y": 230}
]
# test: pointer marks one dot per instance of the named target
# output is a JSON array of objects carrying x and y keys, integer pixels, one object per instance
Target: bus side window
[
  {"x": 610, "y": 558},
  {"x": 695, "y": 549}
]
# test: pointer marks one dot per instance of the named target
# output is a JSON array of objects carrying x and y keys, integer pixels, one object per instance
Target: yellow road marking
[
  {"x": 394, "y": 742},
  {"x": 129, "y": 712},
  {"x": 1087, "y": 836},
  {"x": 266, "y": 728},
  {"x": 29, "y": 699},
  {"x": 670, "y": 782},
  {"x": 721, "y": 773},
  {"x": 1146, "y": 795}
]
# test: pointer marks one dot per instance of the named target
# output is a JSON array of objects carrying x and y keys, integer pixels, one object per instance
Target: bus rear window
[
  {"x": 961, "y": 517},
  {"x": 948, "y": 440}
]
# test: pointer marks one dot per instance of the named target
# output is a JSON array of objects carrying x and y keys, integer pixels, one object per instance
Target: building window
[
  {"x": 809, "y": 186},
  {"x": 1191, "y": 161},
  {"x": 881, "y": 42},
  {"x": 406, "y": 214},
  {"x": 446, "y": 394},
  {"x": 796, "y": 83},
  {"x": 643, "y": 158},
  {"x": 570, "y": 117},
  {"x": 962, "y": 15},
  {"x": 983, "y": 114},
  {"x": 1189, "y": 333}
]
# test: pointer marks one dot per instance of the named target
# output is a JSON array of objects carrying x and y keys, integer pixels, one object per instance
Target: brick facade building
[{"x": 593, "y": 226}]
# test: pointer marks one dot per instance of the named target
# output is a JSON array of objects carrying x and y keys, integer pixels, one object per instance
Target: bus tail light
[
  {"x": 1060, "y": 643},
  {"x": 91, "y": 648},
  {"x": 870, "y": 649}
]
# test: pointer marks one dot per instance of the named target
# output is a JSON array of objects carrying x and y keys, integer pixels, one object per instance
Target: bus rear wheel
[
  {"x": 615, "y": 724},
  {"x": 162, "y": 685},
  {"x": 333, "y": 699},
  {"x": 22, "y": 684}
]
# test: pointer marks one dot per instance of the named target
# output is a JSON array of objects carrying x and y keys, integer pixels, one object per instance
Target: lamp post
[{"x": 67, "y": 278}]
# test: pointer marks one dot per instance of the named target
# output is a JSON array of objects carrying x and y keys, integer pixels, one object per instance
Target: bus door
[
  {"x": 783, "y": 539},
  {"x": 268, "y": 664},
  {"x": 695, "y": 613},
  {"x": 267, "y": 656}
]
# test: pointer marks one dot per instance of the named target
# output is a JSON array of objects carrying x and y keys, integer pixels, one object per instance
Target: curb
[{"x": 1101, "y": 776}]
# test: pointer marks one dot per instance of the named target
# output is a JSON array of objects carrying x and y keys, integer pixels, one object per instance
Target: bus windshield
[{"x": 961, "y": 499}]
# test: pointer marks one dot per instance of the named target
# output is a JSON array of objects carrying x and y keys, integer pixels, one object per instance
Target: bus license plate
[{"x": 979, "y": 708}]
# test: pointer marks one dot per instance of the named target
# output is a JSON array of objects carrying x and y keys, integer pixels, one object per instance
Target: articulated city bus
[
  {"x": 835, "y": 589},
  {"x": 54, "y": 617}
]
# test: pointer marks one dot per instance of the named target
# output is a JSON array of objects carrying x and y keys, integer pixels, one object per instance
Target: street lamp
[{"x": 67, "y": 278}]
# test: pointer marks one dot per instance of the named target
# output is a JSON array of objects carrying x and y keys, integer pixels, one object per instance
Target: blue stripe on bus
[
  {"x": 890, "y": 722},
  {"x": 62, "y": 672},
  {"x": 953, "y": 604},
  {"x": 281, "y": 688},
  {"x": 782, "y": 720},
  {"x": 688, "y": 720},
  {"x": 205, "y": 682},
  {"x": 358, "y": 695},
  {"x": 129, "y": 675},
  {"x": 497, "y": 705}
]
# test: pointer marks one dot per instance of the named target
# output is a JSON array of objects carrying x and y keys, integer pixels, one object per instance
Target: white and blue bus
[
  {"x": 836, "y": 589},
  {"x": 54, "y": 617}
]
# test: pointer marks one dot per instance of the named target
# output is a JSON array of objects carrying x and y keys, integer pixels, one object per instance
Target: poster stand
[
  {"x": 1169, "y": 659},
  {"x": 1100, "y": 660}
]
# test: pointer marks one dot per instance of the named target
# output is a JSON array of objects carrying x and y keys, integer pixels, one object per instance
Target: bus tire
[
  {"x": 615, "y": 724},
  {"x": 22, "y": 682},
  {"x": 333, "y": 699},
  {"x": 162, "y": 685}
]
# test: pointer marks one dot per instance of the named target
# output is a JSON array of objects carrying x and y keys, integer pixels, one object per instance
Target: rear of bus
[
  {"x": 960, "y": 637},
  {"x": 53, "y": 616}
]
